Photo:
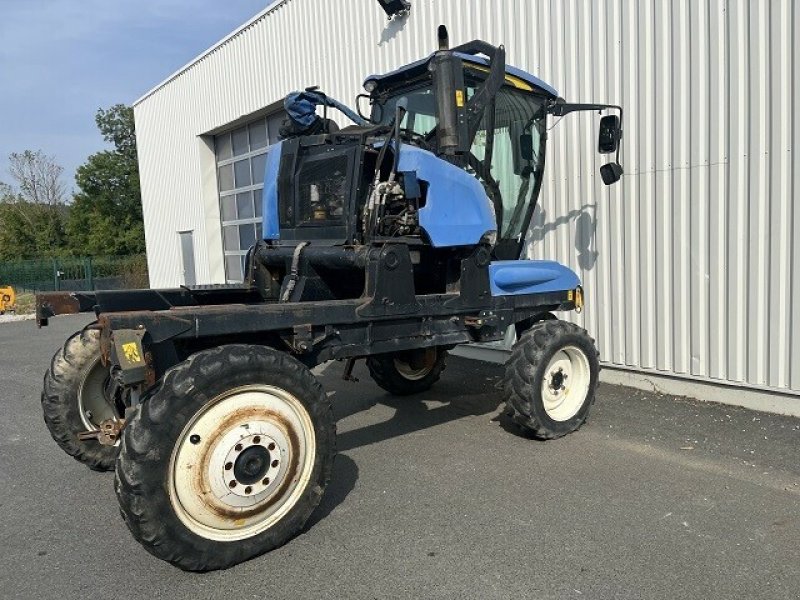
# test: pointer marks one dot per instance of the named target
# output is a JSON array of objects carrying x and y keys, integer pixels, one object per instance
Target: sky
[{"x": 61, "y": 60}]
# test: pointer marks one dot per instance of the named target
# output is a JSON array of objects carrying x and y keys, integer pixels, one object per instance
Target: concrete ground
[{"x": 656, "y": 497}]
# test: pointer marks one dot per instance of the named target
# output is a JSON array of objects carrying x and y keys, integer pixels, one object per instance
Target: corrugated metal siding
[{"x": 689, "y": 264}]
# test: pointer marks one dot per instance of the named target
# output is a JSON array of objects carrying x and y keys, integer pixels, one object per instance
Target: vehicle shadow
[
  {"x": 467, "y": 388},
  {"x": 343, "y": 480},
  {"x": 585, "y": 225}
]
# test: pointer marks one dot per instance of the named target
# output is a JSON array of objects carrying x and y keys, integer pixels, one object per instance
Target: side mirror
[
  {"x": 610, "y": 134},
  {"x": 611, "y": 173},
  {"x": 526, "y": 147}
]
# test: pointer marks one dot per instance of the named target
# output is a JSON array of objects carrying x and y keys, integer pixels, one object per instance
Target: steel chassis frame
[{"x": 168, "y": 325}]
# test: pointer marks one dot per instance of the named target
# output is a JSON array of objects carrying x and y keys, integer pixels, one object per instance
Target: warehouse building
[{"x": 690, "y": 263}]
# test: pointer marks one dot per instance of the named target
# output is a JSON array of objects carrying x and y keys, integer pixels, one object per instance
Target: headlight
[{"x": 370, "y": 85}]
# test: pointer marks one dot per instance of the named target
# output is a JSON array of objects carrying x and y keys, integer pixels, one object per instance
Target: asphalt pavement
[{"x": 432, "y": 497}]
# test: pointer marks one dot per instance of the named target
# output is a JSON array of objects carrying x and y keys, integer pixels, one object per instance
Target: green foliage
[
  {"x": 29, "y": 229},
  {"x": 106, "y": 214}
]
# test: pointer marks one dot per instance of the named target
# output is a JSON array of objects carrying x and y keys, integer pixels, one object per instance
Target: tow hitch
[{"x": 107, "y": 434}]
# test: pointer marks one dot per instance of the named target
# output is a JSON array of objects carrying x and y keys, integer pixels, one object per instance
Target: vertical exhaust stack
[
  {"x": 444, "y": 39},
  {"x": 448, "y": 88}
]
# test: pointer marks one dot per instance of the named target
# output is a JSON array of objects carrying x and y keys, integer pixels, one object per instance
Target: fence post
[
  {"x": 56, "y": 282},
  {"x": 87, "y": 267}
]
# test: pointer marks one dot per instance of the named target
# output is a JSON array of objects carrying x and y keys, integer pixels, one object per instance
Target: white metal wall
[{"x": 689, "y": 264}]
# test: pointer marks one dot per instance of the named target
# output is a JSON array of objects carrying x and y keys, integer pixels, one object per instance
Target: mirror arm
[
  {"x": 358, "y": 107},
  {"x": 559, "y": 108}
]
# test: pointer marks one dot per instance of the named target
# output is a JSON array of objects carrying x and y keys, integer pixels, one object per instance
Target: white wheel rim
[
  {"x": 406, "y": 370},
  {"x": 566, "y": 383},
  {"x": 242, "y": 463}
]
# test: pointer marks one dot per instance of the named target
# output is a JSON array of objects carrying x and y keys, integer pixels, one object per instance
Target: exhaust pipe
[
  {"x": 444, "y": 40},
  {"x": 448, "y": 89}
]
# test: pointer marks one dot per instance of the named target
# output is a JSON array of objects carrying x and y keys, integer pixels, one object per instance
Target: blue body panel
[
  {"x": 457, "y": 211},
  {"x": 480, "y": 60},
  {"x": 269, "y": 197},
  {"x": 518, "y": 277}
]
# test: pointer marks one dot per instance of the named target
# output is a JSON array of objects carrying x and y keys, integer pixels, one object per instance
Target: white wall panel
[{"x": 689, "y": 264}]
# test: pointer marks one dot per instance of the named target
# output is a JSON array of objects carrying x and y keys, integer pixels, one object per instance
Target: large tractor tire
[
  {"x": 74, "y": 400},
  {"x": 551, "y": 379},
  {"x": 227, "y": 458},
  {"x": 408, "y": 372}
]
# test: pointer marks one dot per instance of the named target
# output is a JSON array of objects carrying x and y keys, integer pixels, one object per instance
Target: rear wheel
[
  {"x": 227, "y": 459},
  {"x": 407, "y": 372},
  {"x": 551, "y": 378},
  {"x": 74, "y": 400}
]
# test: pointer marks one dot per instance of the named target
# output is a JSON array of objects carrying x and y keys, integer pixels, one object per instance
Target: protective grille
[{"x": 322, "y": 191}]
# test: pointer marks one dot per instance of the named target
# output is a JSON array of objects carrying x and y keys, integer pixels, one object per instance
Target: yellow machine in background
[{"x": 8, "y": 299}]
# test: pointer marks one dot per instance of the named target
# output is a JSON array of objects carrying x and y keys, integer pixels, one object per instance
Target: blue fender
[{"x": 518, "y": 277}]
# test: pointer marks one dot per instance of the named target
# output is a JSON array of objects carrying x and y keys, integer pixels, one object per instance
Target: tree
[
  {"x": 38, "y": 177},
  {"x": 32, "y": 214},
  {"x": 106, "y": 214}
]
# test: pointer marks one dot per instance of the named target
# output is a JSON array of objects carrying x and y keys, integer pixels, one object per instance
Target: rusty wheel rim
[
  {"x": 408, "y": 372},
  {"x": 242, "y": 462}
]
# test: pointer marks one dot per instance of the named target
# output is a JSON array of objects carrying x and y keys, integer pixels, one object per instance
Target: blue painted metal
[
  {"x": 479, "y": 60},
  {"x": 269, "y": 196},
  {"x": 518, "y": 277},
  {"x": 457, "y": 211}
]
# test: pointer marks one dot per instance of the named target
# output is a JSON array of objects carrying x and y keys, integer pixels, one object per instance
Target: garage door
[{"x": 241, "y": 157}]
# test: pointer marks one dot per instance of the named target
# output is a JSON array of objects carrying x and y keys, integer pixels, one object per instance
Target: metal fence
[{"x": 75, "y": 273}]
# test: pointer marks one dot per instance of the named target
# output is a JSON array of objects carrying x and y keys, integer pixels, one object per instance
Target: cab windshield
[{"x": 515, "y": 143}]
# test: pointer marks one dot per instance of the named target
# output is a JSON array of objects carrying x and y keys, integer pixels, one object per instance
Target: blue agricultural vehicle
[{"x": 392, "y": 240}]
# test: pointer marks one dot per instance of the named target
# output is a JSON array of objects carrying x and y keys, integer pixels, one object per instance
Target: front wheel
[
  {"x": 227, "y": 459},
  {"x": 551, "y": 378},
  {"x": 407, "y": 372}
]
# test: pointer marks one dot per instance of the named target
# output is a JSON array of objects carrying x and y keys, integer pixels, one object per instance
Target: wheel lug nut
[
  {"x": 275, "y": 463},
  {"x": 248, "y": 489},
  {"x": 232, "y": 484},
  {"x": 266, "y": 481},
  {"x": 257, "y": 439},
  {"x": 238, "y": 447},
  {"x": 228, "y": 466},
  {"x": 271, "y": 446},
  {"x": 194, "y": 438}
]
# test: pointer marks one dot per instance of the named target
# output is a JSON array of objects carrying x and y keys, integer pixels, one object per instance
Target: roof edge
[{"x": 257, "y": 17}]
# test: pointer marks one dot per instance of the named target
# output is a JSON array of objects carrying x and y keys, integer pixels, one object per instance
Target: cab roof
[{"x": 516, "y": 77}]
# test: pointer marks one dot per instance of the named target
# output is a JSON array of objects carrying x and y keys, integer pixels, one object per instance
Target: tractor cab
[
  {"x": 505, "y": 151},
  {"x": 467, "y": 106}
]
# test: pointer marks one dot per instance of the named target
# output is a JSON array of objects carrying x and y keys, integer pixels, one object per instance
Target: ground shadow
[
  {"x": 468, "y": 388},
  {"x": 343, "y": 480}
]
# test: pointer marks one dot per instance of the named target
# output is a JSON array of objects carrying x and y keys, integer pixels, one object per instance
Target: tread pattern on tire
[
  {"x": 534, "y": 348},
  {"x": 151, "y": 431},
  {"x": 384, "y": 372},
  {"x": 60, "y": 400}
]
